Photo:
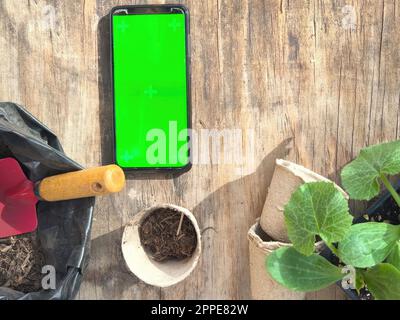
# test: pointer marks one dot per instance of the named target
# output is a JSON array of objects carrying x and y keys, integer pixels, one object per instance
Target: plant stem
[
  {"x": 332, "y": 248},
  {"x": 390, "y": 188}
]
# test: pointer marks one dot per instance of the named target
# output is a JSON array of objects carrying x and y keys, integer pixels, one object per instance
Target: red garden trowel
[{"x": 18, "y": 195}]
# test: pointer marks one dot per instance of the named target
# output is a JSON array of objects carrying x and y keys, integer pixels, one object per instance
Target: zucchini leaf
[
  {"x": 316, "y": 208},
  {"x": 360, "y": 178},
  {"x": 368, "y": 244},
  {"x": 394, "y": 256},
  {"x": 383, "y": 281},
  {"x": 303, "y": 273}
]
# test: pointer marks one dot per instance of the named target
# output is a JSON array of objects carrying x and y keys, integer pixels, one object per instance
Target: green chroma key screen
[{"x": 150, "y": 90}]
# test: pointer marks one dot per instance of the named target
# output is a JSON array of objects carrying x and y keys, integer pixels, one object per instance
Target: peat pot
[
  {"x": 287, "y": 177},
  {"x": 262, "y": 286},
  {"x": 145, "y": 264}
]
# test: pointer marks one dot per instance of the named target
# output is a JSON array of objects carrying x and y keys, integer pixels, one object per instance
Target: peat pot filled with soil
[{"x": 162, "y": 244}]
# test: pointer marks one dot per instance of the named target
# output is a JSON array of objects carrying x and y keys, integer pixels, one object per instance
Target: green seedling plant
[{"x": 319, "y": 211}]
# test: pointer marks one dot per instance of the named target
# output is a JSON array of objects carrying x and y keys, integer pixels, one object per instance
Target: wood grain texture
[{"x": 314, "y": 80}]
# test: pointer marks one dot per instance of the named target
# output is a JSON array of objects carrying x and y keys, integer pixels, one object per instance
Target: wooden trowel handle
[{"x": 81, "y": 184}]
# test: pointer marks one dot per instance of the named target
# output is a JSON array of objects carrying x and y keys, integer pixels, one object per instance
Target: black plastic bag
[{"x": 64, "y": 227}]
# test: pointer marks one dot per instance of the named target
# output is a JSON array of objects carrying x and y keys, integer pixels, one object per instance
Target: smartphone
[{"x": 150, "y": 63}]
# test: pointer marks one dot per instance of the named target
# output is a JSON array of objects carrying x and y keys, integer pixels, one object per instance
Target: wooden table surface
[{"x": 313, "y": 81}]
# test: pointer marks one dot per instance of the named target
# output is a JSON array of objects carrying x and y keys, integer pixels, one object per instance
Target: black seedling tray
[{"x": 384, "y": 209}]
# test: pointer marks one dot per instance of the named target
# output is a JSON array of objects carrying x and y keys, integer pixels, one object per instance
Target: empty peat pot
[
  {"x": 287, "y": 177},
  {"x": 162, "y": 244},
  {"x": 262, "y": 286}
]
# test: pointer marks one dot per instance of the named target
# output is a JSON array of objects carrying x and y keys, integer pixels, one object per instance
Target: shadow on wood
[
  {"x": 105, "y": 97},
  {"x": 241, "y": 202},
  {"x": 107, "y": 270}
]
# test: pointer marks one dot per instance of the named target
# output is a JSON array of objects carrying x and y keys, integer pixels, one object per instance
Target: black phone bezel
[{"x": 154, "y": 9}]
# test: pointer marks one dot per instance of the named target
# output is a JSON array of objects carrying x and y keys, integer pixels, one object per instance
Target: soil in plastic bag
[
  {"x": 21, "y": 262},
  {"x": 63, "y": 236}
]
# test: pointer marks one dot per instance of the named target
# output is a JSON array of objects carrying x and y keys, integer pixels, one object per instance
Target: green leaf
[
  {"x": 360, "y": 283},
  {"x": 360, "y": 178},
  {"x": 368, "y": 244},
  {"x": 316, "y": 208},
  {"x": 383, "y": 281},
  {"x": 394, "y": 256},
  {"x": 301, "y": 273}
]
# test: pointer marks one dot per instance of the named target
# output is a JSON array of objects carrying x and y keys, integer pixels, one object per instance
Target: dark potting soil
[
  {"x": 158, "y": 235},
  {"x": 365, "y": 294},
  {"x": 21, "y": 262}
]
